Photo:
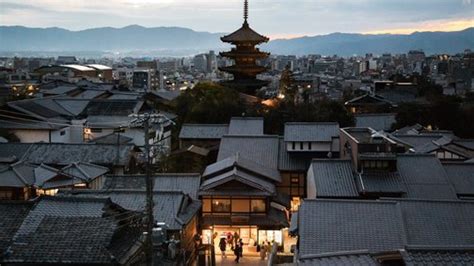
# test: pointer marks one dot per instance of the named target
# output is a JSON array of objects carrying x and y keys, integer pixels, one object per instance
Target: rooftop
[{"x": 314, "y": 132}]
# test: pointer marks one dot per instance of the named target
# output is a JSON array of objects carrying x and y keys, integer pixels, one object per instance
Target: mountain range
[{"x": 183, "y": 41}]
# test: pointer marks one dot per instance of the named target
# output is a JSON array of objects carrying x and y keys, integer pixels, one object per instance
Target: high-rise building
[{"x": 245, "y": 56}]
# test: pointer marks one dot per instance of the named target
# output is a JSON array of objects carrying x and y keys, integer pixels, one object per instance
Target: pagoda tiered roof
[
  {"x": 234, "y": 53},
  {"x": 245, "y": 34}
]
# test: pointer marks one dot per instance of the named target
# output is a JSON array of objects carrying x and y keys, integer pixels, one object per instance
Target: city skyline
[{"x": 295, "y": 19}]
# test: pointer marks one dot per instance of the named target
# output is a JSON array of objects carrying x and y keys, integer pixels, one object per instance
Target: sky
[{"x": 274, "y": 18}]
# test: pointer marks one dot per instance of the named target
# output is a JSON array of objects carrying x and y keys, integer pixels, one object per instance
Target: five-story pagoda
[{"x": 245, "y": 55}]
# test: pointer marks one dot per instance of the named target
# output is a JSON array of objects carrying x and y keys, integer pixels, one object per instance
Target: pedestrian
[
  {"x": 241, "y": 244},
  {"x": 263, "y": 251},
  {"x": 236, "y": 238},
  {"x": 237, "y": 252},
  {"x": 222, "y": 246}
]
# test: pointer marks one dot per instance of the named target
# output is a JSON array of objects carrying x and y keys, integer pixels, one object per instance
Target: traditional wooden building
[{"x": 245, "y": 55}]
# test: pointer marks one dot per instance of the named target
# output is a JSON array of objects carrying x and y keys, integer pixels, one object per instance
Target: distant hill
[
  {"x": 349, "y": 44},
  {"x": 135, "y": 39}
]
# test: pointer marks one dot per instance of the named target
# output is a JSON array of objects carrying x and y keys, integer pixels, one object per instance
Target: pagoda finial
[{"x": 246, "y": 10}]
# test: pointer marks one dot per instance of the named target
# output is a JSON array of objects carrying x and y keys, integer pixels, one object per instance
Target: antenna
[{"x": 246, "y": 10}]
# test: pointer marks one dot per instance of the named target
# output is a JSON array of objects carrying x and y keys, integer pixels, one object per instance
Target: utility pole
[{"x": 146, "y": 120}]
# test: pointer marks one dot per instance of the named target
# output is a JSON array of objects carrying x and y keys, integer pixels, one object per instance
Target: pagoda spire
[{"x": 246, "y": 11}]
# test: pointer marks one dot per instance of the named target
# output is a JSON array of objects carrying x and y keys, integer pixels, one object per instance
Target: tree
[{"x": 208, "y": 103}]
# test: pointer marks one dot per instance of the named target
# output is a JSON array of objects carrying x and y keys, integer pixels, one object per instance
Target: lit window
[
  {"x": 221, "y": 205},
  {"x": 206, "y": 205},
  {"x": 258, "y": 205},
  {"x": 240, "y": 205}
]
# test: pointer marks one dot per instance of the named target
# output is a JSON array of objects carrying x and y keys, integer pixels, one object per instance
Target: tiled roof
[
  {"x": 327, "y": 226},
  {"x": 317, "y": 132},
  {"x": 187, "y": 183},
  {"x": 112, "y": 107},
  {"x": 246, "y": 126},
  {"x": 243, "y": 177},
  {"x": 85, "y": 171},
  {"x": 203, "y": 131},
  {"x": 71, "y": 240},
  {"x": 64, "y": 154},
  {"x": 438, "y": 223},
  {"x": 424, "y": 177},
  {"x": 375, "y": 121},
  {"x": 262, "y": 150},
  {"x": 334, "y": 178},
  {"x": 244, "y": 34},
  {"x": 113, "y": 138},
  {"x": 241, "y": 163},
  {"x": 18, "y": 175},
  {"x": 59, "y": 207},
  {"x": 11, "y": 219},
  {"x": 14, "y": 149},
  {"x": 438, "y": 257},
  {"x": 292, "y": 162},
  {"x": 384, "y": 225},
  {"x": 461, "y": 176},
  {"x": 341, "y": 258},
  {"x": 167, "y": 204},
  {"x": 380, "y": 182}
]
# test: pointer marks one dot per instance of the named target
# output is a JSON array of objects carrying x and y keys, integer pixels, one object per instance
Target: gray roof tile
[
  {"x": 424, "y": 177},
  {"x": 262, "y": 150},
  {"x": 461, "y": 176},
  {"x": 203, "y": 131},
  {"x": 326, "y": 226},
  {"x": 334, "y": 178},
  {"x": 346, "y": 259},
  {"x": 64, "y": 154},
  {"x": 316, "y": 132},
  {"x": 438, "y": 257},
  {"x": 187, "y": 183},
  {"x": 246, "y": 126},
  {"x": 11, "y": 219},
  {"x": 375, "y": 121}
]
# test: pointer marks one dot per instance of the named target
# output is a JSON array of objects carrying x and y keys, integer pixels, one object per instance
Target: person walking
[
  {"x": 263, "y": 251},
  {"x": 222, "y": 247},
  {"x": 237, "y": 252}
]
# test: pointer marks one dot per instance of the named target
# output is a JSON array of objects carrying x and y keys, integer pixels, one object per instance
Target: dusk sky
[{"x": 275, "y": 18}]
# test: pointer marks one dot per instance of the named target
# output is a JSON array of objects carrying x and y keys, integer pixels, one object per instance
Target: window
[
  {"x": 240, "y": 205},
  {"x": 96, "y": 130},
  {"x": 301, "y": 145},
  {"x": 221, "y": 205},
  {"x": 62, "y": 133},
  {"x": 295, "y": 180},
  {"x": 206, "y": 205},
  {"x": 293, "y": 144},
  {"x": 310, "y": 145},
  {"x": 258, "y": 205}
]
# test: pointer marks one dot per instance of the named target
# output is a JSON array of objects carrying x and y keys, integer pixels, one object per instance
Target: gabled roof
[
  {"x": 84, "y": 171},
  {"x": 211, "y": 185},
  {"x": 246, "y": 126},
  {"x": 241, "y": 163},
  {"x": 17, "y": 175},
  {"x": 371, "y": 99},
  {"x": 334, "y": 178},
  {"x": 187, "y": 183},
  {"x": 203, "y": 131},
  {"x": 311, "y": 132},
  {"x": 380, "y": 182}
]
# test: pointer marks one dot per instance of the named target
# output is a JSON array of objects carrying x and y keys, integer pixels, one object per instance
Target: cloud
[{"x": 270, "y": 17}]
